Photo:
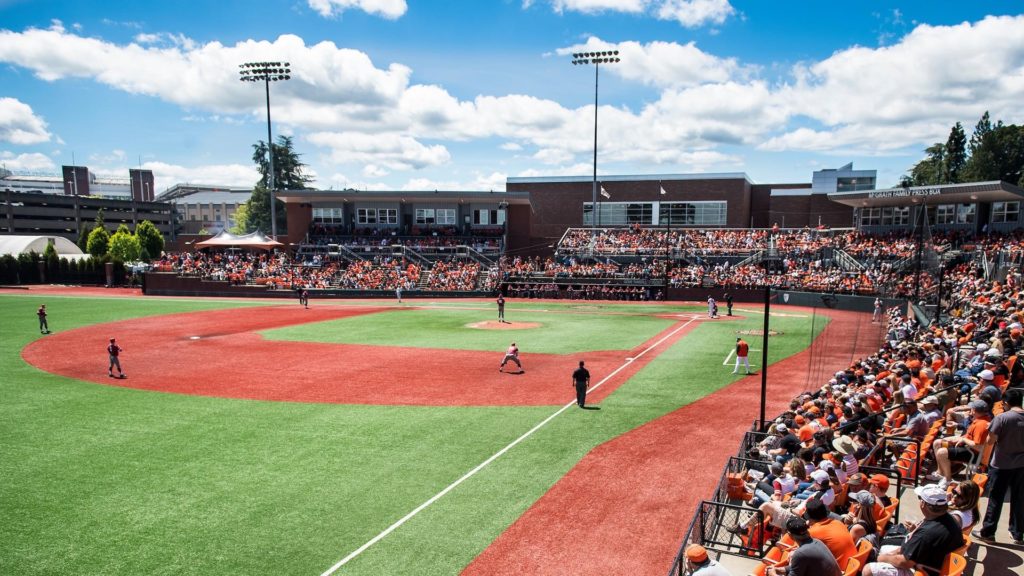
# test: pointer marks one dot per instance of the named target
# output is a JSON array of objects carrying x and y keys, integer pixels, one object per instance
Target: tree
[
  {"x": 240, "y": 218},
  {"x": 124, "y": 246},
  {"x": 288, "y": 175},
  {"x": 150, "y": 239},
  {"x": 52, "y": 263},
  {"x": 99, "y": 240},
  {"x": 983, "y": 127},
  {"x": 955, "y": 157},
  {"x": 929, "y": 170}
]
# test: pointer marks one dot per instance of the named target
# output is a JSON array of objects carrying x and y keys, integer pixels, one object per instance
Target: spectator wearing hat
[
  {"x": 927, "y": 544},
  {"x": 1006, "y": 469},
  {"x": 986, "y": 388},
  {"x": 962, "y": 448},
  {"x": 930, "y": 409},
  {"x": 698, "y": 562},
  {"x": 779, "y": 512},
  {"x": 788, "y": 445},
  {"x": 811, "y": 558},
  {"x": 846, "y": 447},
  {"x": 862, "y": 519},
  {"x": 878, "y": 485}
]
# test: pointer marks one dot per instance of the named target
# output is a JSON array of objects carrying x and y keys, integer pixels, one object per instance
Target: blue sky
[{"x": 409, "y": 94}]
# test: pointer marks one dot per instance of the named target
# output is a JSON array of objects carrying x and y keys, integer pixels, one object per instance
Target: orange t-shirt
[
  {"x": 836, "y": 536},
  {"x": 742, "y": 348}
]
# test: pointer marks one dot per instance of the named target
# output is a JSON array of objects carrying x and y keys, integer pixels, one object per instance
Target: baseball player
[
  {"x": 44, "y": 328},
  {"x": 742, "y": 350},
  {"x": 511, "y": 355},
  {"x": 501, "y": 308},
  {"x": 113, "y": 350}
]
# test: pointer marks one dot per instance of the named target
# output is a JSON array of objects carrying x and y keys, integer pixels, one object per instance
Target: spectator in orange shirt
[
  {"x": 830, "y": 531},
  {"x": 962, "y": 448}
]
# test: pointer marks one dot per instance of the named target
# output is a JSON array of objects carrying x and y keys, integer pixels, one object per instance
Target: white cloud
[
  {"x": 511, "y": 147},
  {"x": 374, "y": 171},
  {"x": 30, "y": 162},
  {"x": 388, "y": 150},
  {"x": 390, "y": 9},
  {"x": 166, "y": 175},
  {"x": 494, "y": 181},
  {"x": 594, "y": 6},
  {"x": 666, "y": 64},
  {"x": 906, "y": 93},
  {"x": 19, "y": 124},
  {"x": 689, "y": 13},
  {"x": 695, "y": 13}
]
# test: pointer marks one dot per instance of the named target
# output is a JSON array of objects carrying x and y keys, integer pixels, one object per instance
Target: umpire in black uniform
[{"x": 581, "y": 380}]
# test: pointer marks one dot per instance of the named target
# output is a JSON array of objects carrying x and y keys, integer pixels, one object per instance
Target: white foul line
[{"x": 494, "y": 457}]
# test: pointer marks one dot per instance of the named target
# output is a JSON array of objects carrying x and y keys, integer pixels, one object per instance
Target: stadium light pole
[
  {"x": 764, "y": 353},
  {"x": 267, "y": 72},
  {"x": 595, "y": 58}
]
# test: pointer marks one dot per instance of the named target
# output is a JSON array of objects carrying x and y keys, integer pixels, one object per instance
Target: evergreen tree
[
  {"x": 929, "y": 171},
  {"x": 955, "y": 155},
  {"x": 288, "y": 175}
]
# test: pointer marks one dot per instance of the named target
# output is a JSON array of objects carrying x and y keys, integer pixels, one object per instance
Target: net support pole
[{"x": 764, "y": 353}]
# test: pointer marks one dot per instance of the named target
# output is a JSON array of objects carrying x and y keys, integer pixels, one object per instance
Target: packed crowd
[
  {"x": 263, "y": 268},
  {"x": 381, "y": 273},
  {"x": 922, "y": 407},
  {"x": 454, "y": 275}
]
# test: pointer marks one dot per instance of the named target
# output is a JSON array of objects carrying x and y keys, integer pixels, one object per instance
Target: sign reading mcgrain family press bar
[{"x": 904, "y": 192}]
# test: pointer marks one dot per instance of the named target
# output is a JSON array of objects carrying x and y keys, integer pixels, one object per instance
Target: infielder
[
  {"x": 113, "y": 350},
  {"x": 511, "y": 355}
]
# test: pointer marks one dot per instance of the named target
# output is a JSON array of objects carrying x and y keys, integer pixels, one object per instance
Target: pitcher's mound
[{"x": 495, "y": 325}]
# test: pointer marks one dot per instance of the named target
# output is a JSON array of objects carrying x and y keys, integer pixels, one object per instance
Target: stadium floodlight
[
  {"x": 267, "y": 72},
  {"x": 586, "y": 59}
]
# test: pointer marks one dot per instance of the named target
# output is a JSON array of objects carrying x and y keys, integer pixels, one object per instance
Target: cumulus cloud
[
  {"x": 166, "y": 175},
  {"x": 695, "y": 13},
  {"x": 390, "y": 9},
  {"x": 19, "y": 124},
  {"x": 25, "y": 163},
  {"x": 900, "y": 93},
  {"x": 667, "y": 64},
  {"x": 689, "y": 13},
  {"x": 389, "y": 150}
]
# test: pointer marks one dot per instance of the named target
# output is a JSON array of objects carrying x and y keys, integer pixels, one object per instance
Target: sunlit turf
[{"x": 106, "y": 480}]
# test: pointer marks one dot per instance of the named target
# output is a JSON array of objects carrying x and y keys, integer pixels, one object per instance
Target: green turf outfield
[{"x": 106, "y": 480}]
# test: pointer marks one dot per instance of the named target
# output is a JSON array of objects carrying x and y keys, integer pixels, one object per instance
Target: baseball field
[{"x": 368, "y": 437}]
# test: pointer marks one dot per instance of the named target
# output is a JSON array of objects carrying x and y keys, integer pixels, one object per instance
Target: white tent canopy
[
  {"x": 228, "y": 240},
  {"x": 15, "y": 245}
]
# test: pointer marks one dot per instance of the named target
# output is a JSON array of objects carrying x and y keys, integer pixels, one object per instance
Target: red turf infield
[
  {"x": 624, "y": 508},
  {"x": 230, "y": 360}
]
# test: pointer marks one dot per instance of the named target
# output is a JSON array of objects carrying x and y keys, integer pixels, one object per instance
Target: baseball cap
[
  {"x": 111, "y": 339},
  {"x": 932, "y": 494},
  {"x": 796, "y": 526},
  {"x": 993, "y": 353},
  {"x": 881, "y": 481},
  {"x": 930, "y": 401},
  {"x": 696, "y": 553},
  {"x": 858, "y": 479},
  {"x": 978, "y": 405},
  {"x": 781, "y": 428},
  {"x": 819, "y": 476},
  {"x": 986, "y": 375},
  {"x": 864, "y": 498}
]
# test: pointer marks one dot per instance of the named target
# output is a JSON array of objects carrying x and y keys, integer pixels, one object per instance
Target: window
[
  {"x": 366, "y": 216},
  {"x": 870, "y": 216},
  {"x": 1005, "y": 211},
  {"x": 387, "y": 216},
  {"x": 489, "y": 217},
  {"x": 424, "y": 215},
  {"x": 445, "y": 216},
  {"x": 945, "y": 214},
  {"x": 965, "y": 213},
  {"x": 901, "y": 215},
  {"x": 328, "y": 215}
]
